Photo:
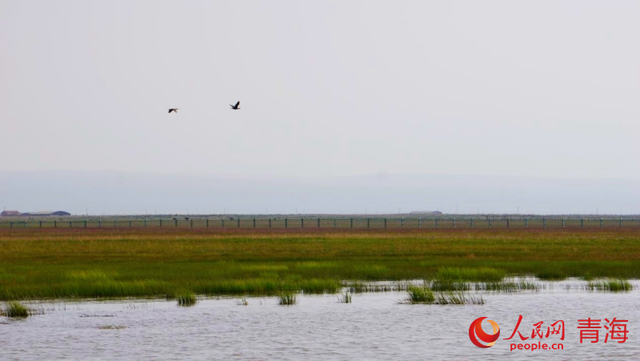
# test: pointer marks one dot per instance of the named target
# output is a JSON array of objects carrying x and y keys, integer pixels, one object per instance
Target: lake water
[{"x": 373, "y": 326}]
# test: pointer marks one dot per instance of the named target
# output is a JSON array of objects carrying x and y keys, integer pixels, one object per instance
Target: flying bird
[
  {"x": 235, "y": 107},
  {"x": 175, "y": 110}
]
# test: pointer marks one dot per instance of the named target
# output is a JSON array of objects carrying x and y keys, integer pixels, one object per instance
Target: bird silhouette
[
  {"x": 235, "y": 107},
  {"x": 175, "y": 110}
]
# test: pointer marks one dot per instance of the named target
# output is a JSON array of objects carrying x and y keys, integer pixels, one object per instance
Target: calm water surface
[{"x": 373, "y": 326}]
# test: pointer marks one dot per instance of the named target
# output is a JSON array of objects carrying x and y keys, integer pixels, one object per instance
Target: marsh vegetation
[
  {"x": 186, "y": 298},
  {"x": 612, "y": 285},
  {"x": 15, "y": 310},
  {"x": 287, "y": 299},
  {"x": 92, "y": 263},
  {"x": 425, "y": 295}
]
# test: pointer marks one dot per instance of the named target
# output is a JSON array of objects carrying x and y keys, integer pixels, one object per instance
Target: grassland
[{"x": 103, "y": 263}]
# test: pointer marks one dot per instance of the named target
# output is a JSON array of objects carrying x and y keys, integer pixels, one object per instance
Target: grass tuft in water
[
  {"x": 287, "y": 299},
  {"x": 16, "y": 309},
  {"x": 423, "y": 294},
  {"x": 418, "y": 294},
  {"x": 507, "y": 286},
  {"x": 186, "y": 298},
  {"x": 345, "y": 298},
  {"x": 612, "y": 285}
]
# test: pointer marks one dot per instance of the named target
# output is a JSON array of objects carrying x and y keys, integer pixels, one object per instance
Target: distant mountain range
[{"x": 107, "y": 192}]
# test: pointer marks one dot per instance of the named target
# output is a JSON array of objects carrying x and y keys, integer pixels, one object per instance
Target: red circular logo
[{"x": 476, "y": 332}]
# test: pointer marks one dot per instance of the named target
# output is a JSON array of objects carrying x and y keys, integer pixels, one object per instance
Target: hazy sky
[{"x": 327, "y": 88}]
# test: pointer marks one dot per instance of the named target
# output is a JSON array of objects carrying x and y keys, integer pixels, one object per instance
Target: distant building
[{"x": 9, "y": 213}]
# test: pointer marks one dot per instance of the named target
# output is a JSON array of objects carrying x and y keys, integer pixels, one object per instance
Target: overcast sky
[{"x": 327, "y": 88}]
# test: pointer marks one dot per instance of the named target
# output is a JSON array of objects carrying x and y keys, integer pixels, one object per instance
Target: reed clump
[
  {"x": 420, "y": 294},
  {"x": 287, "y": 299},
  {"x": 16, "y": 310},
  {"x": 186, "y": 298},
  {"x": 611, "y": 285},
  {"x": 506, "y": 286},
  {"x": 423, "y": 294}
]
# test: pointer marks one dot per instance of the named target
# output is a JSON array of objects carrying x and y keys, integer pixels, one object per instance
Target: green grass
[
  {"x": 420, "y": 294},
  {"x": 552, "y": 274},
  {"x": 16, "y": 310},
  {"x": 114, "y": 263},
  {"x": 506, "y": 286},
  {"x": 481, "y": 274},
  {"x": 612, "y": 285},
  {"x": 439, "y": 286},
  {"x": 423, "y": 294},
  {"x": 287, "y": 299},
  {"x": 186, "y": 298},
  {"x": 362, "y": 287}
]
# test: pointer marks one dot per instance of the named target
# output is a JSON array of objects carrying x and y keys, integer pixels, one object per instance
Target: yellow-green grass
[
  {"x": 612, "y": 285},
  {"x": 424, "y": 294},
  {"x": 15, "y": 310},
  {"x": 106, "y": 263},
  {"x": 186, "y": 298},
  {"x": 287, "y": 299},
  {"x": 452, "y": 274},
  {"x": 420, "y": 294}
]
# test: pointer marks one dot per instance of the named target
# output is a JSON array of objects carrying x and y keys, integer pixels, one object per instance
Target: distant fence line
[{"x": 337, "y": 222}]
